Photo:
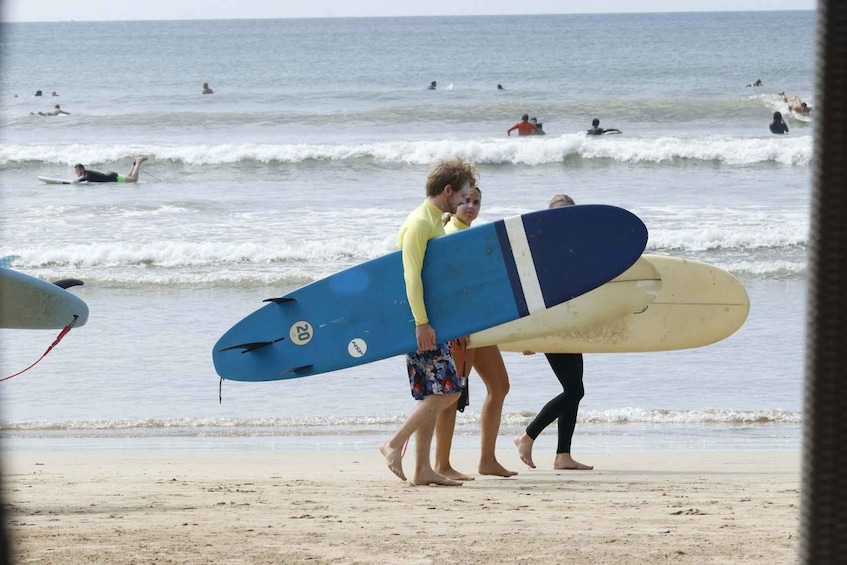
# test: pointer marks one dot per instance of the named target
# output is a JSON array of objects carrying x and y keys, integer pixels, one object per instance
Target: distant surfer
[
  {"x": 795, "y": 104},
  {"x": 85, "y": 175},
  {"x": 538, "y": 125},
  {"x": 54, "y": 112},
  {"x": 757, "y": 82},
  {"x": 778, "y": 126},
  {"x": 597, "y": 130},
  {"x": 54, "y": 93},
  {"x": 206, "y": 89},
  {"x": 432, "y": 86},
  {"x": 524, "y": 127},
  {"x": 499, "y": 86},
  {"x": 37, "y": 93}
]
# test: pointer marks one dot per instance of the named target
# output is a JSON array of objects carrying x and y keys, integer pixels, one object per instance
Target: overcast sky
[{"x": 64, "y": 10}]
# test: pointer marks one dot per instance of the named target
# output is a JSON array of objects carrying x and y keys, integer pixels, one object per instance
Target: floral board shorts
[{"x": 432, "y": 372}]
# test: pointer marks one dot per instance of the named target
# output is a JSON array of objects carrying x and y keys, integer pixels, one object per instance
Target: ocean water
[{"x": 308, "y": 157}]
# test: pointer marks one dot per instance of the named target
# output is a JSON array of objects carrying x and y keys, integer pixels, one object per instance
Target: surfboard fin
[
  {"x": 68, "y": 283},
  {"x": 280, "y": 300},
  {"x": 252, "y": 346},
  {"x": 297, "y": 370}
]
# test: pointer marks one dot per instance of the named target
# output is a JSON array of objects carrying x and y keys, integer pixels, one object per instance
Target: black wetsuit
[
  {"x": 779, "y": 127},
  {"x": 596, "y": 131},
  {"x": 97, "y": 176},
  {"x": 568, "y": 369}
]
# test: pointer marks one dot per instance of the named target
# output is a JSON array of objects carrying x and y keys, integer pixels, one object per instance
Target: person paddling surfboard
[
  {"x": 597, "y": 130},
  {"x": 85, "y": 175}
]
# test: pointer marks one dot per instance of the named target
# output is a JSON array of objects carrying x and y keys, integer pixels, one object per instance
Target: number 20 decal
[{"x": 301, "y": 332}]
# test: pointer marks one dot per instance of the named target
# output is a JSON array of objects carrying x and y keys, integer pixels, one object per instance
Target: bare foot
[
  {"x": 564, "y": 461},
  {"x": 141, "y": 159},
  {"x": 495, "y": 469},
  {"x": 430, "y": 477},
  {"x": 394, "y": 458},
  {"x": 524, "y": 444},
  {"x": 452, "y": 473}
]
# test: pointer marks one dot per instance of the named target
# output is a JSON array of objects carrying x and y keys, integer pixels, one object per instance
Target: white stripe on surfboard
[{"x": 525, "y": 265}]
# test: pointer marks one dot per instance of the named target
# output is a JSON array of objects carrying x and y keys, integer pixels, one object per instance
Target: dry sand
[{"x": 346, "y": 507}]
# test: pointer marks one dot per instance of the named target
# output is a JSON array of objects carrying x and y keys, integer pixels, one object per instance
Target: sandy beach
[{"x": 346, "y": 507}]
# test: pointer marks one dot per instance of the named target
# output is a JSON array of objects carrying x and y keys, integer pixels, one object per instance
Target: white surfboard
[
  {"x": 630, "y": 292},
  {"x": 50, "y": 180},
  {"x": 448, "y": 87},
  {"x": 805, "y": 118},
  {"x": 699, "y": 304},
  {"x": 28, "y": 303}
]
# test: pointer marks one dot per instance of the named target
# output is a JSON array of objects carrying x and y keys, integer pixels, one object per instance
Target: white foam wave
[
  {"x": 795, "y": 151},
  {"x": 354, "y": 424}
]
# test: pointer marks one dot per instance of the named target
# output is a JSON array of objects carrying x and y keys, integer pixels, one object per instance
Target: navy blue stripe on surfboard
[
  {"x": 605, "y": 245},
  {"x": 511, "y": 268}
]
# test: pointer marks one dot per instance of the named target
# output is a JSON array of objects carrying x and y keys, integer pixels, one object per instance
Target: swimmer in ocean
[{"x": 85, "y": 175}]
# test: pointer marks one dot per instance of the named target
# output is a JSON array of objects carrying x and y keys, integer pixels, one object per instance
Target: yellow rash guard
[
  {"x": 423, "y": 224},
  {"x": 454, "y": 225}
]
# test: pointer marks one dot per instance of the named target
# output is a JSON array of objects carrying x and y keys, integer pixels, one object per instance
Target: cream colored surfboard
[
  {"x": 630, "y": 292},
  {"x": 699, "y": 304}
]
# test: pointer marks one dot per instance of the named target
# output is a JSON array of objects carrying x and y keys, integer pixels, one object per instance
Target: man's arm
[{"x": 413, "y": 249}]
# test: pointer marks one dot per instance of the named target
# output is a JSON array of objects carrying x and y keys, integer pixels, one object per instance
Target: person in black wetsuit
[
  {"x": 778, "y": 126},
  {"x": 85, "y": 175},
  {"x": 568, "y": 369},
  {"x": 595, "y": 128}
]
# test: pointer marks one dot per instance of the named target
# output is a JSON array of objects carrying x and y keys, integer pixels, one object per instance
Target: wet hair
[
  {"x": 525, "y": 117},
  {"x": 777, "y": 117},
  {"x": 559, "y": 199},
  {"x": 37, "y": 93},
  {"x": 57, "y": 106},
  {"x": 499, "y": 87},
  {"x": 595, "y": 122},
  {"x": 79, "y": 166},
  {"x": 533, "y": 120},
  {"x": 455, "y": 172}
]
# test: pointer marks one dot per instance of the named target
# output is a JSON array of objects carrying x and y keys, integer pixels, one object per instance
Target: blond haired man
[{"x": 432, "y": 373}]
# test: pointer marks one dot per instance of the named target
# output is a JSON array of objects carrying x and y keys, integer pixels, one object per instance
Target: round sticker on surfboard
[
  {"x": 301, "y": 332},
  {"x": 357, "y": 347}
]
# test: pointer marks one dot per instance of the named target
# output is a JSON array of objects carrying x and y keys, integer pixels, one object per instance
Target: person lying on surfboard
[
  {"x": 597, "y": 130},
  {"x": 85, "y": 175},
  {"x": 54, "y": 112},
  {"x": 795, "y": 104}
]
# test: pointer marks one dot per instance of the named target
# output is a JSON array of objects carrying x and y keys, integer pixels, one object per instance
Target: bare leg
[
  {"x": 565, "y": 461},
  {"x": 424, "y": 473},
  {"x": 524, "y": 444},
  {"x": 445, "y": 424},
  {"x": 489, "y": 364},
  {"x": 132, "y": 175},
  {"x": 425, "y": 412}
]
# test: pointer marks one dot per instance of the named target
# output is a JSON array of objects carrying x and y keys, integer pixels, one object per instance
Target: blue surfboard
[{"x": 474, "y": 279}]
